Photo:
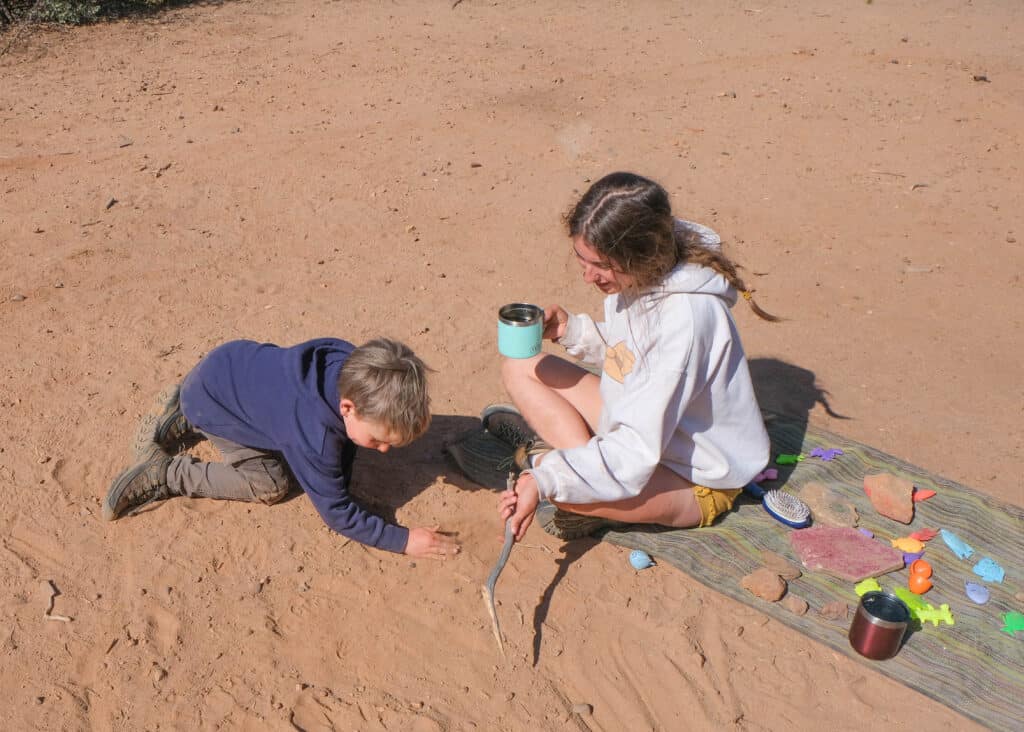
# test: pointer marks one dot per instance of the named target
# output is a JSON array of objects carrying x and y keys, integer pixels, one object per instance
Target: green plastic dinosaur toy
[
  {"x": 789, "y": 459},
  {"x": 912, "y": 601},
  {"x": 930, "y": 613},
  {"x": 1013, "y": 622},
  {"x": 868, "y": 585}
]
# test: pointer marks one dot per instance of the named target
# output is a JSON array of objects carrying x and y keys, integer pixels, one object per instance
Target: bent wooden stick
[{"x": 488, "y": 588}]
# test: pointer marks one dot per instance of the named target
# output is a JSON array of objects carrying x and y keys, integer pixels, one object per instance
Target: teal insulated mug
[{"x": 520, "y": 327}]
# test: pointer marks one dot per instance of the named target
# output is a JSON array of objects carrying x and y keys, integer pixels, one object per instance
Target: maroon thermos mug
[{"x": 878, "y": 625}]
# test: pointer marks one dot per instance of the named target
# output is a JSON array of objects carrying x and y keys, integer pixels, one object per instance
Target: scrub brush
[{"x": 788, "y": 509}]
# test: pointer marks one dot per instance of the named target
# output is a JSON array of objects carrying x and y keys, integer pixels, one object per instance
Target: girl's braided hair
[{"x": 628, "y": 220}]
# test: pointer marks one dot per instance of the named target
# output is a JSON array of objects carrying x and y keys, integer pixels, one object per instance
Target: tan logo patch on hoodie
[{"x": 618, "y": 361}]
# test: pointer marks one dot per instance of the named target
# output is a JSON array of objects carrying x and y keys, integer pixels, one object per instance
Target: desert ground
[{"x": 286, "y": 170}]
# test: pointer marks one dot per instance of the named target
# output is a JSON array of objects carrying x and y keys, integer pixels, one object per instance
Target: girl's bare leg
[
  {"x": 560, "y": 400},
  {"x": 667, "y": 500}
]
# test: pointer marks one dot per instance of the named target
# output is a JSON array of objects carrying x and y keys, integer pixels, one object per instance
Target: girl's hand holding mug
[{"x": 555, "y": 320}]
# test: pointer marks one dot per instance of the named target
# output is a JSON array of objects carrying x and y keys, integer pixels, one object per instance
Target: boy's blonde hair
[{"x": 387, "y": 383}]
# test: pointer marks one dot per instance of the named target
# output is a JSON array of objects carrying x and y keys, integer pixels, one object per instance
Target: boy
[{"x": 276, "y": 413}]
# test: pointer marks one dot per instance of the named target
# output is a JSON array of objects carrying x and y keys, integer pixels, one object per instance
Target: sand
[{"x": 281, "y": 171}]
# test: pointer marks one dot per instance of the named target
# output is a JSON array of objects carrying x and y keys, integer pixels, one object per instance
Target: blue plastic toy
[
  {"x": 989, "y": 570},
  {"x": 640, "y": 559},
  {"x": 960, "y": 547},
  {"x": 977, "y": 592}
]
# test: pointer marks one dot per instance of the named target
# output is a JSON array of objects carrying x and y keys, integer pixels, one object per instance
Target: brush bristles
[{"x": 787, "y": 506}]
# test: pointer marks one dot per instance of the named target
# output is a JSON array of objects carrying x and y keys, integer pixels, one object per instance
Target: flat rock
[
  {"x": 764, "y": 583},
  {"x": 891, "y": 496},
  {"x": 837, "y": 610},
  {"x": 844, "y": 552},
  {"x": 796, "y": 605},
  {"x": 827, "y": 506},
  {"x": 780, "y": 565}
]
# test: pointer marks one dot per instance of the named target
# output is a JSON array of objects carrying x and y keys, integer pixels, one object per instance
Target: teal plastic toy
[
  {"x": 957, "y": 545},
  {"x": 989, "y": 570}
]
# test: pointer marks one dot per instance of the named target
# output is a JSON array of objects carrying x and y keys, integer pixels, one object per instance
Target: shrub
[
  {"x": 68, "y": 11},
  {"x": 71, "y": 11}
]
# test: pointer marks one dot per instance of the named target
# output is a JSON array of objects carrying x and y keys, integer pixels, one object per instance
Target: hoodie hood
[{"x": 698, "y": 280}]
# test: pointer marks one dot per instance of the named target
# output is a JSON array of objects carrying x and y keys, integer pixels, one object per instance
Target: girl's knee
[{"x": 515, "y": 370}]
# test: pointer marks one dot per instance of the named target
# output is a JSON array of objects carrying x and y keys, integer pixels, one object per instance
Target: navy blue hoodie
[{"x": 286, "y": 400}]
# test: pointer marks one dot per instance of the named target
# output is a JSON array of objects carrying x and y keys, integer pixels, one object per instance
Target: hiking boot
[
  {"x": 166, "y": 426},
  {"x": 506, "y": 423},
  {"x": 139, "y": 485},
  {"x": 568, "y": 526}
]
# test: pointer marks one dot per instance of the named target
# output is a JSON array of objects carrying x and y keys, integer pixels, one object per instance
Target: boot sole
[
  {"x": 482, "y": 457},
  {"x": 145, "y": 433},
  {"x": 581, "y": 527},
  {"x": 117, "y": 488},
  {"x": 497, "y": 408}
]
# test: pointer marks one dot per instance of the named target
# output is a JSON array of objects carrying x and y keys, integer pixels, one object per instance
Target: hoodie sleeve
[
  {"x": 584, "y": 339},
  {"x": 619, "y": 463},
  {"x": 327, "y": 488}
]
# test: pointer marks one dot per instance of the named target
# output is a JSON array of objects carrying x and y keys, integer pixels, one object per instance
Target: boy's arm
[{"x": 328, "y": 490}]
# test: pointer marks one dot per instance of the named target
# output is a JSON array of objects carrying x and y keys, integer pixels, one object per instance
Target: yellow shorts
[{"x": 713, "y": 503}]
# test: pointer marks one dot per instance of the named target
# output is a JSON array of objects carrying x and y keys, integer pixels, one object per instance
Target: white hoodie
[{"x": 676, "y": 390}]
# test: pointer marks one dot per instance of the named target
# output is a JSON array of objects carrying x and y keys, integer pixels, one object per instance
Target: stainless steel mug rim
[
  {"x": 505, "y": 311},
  {"x": 889, "y": 598}
]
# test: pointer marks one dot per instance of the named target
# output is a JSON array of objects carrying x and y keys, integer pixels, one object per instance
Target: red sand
[{"x": 288, "y": 170}]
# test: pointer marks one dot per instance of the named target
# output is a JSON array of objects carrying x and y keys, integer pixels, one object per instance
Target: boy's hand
[
  {"x": 519, "y": 504},
  {"x": 555, "y": 319},
  {"x": 430, "y": 544}
]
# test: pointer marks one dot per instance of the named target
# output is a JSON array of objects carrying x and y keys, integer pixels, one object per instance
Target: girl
[{"x": 671, "y": 431}]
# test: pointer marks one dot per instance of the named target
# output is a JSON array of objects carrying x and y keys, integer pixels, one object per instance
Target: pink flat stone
[{"x": 844, "y": 552}]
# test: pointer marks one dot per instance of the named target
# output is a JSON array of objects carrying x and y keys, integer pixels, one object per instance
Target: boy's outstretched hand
[
  {"x": 520, "y": 504},
  {"x": 430, "y": 544}
]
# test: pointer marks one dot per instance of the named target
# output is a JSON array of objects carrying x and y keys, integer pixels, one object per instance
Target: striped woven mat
[{"x": 972, "y": 666}]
